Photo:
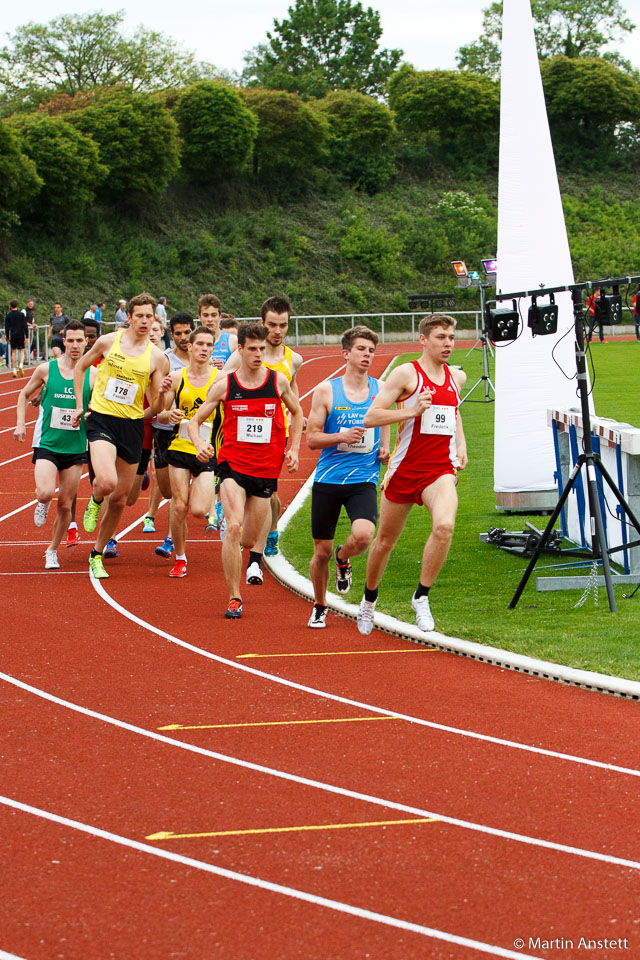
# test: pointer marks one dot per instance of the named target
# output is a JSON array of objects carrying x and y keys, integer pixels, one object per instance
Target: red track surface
[{"x": 80, "y": 896}]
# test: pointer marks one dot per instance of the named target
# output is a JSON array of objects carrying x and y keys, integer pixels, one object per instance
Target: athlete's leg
[
  {"x": 319, "y": 570},
  {"x": 67, "y": 489},
  {"x": 136, "y": 487},
  {"x": 202, "y": 493},
  {"x": 117, "y": 500},
  {"x": 233, "y": 498},
  {"x": 103, "y": 459},
  {"x": 179, "y": 479},
  {"x": 45, "y": 473},
  {"x": 357, "y": 542},
  {"x": 441, "y": 500},
  {"x": 393, "y": 517}
]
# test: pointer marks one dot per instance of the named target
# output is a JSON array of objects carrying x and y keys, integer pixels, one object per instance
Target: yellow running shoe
[
  {"x": 91, "y": 514},
  {"x": 97, "y": 568}
]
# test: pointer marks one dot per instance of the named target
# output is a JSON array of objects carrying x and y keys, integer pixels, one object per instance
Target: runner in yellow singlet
[
  {"x": 275, "y": 314},
  {"x": 192, "y": 481},
  {"x": 130, "y": 365}
]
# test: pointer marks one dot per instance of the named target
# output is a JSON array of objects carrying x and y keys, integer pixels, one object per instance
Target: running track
[{"x": 178, "y": 786}]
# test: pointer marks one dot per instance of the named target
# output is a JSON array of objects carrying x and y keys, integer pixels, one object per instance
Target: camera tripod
[{"x": 484, "y": 340}]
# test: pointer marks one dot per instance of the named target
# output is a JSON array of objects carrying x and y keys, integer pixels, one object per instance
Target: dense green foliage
[
  {"x": 323, "y": 45},
  {"x": 361, "y": 138},
  {"x": 19, "y": 180},
  {"x": 291, "y": 136},
  {"x": 217, "y": 130}
]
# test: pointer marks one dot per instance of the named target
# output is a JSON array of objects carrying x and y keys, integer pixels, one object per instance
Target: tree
[
  {"x": 76, "y": 52},
  {"x": 138, "y": 141},
  {"x": 218, "y": 131},
  {"x": 452, "y": 117},
  {"x": 324, "y": 45},
  {"x": 67, "y": 160},
  {"x": 19, "y": 180},
  {"x": 361, "y": 135},
  {"x": 592, "y": 106},
  {"x": 569, "y": 28},
  {"x": 291, "y": 137}
]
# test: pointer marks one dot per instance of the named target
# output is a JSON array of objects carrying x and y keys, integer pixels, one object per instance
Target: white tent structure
[{"x": 533, "y": 251}]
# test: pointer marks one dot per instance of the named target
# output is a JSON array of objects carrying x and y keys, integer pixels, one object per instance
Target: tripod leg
[
  {"x": 598, "y": 541},
  {"x": 547, "y": 531}
]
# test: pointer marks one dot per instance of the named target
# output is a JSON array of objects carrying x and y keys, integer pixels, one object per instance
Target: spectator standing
[
  {"x": 30, "y": 314},
  {"x": 636, "y": 312},
  {"x": 91, "y": 312},
  {"x": 99, "y": 312},
  {"x": 161, "y": 311},
  {"x": 17, "y": 331},
  {"x": 57, "y": 323}
]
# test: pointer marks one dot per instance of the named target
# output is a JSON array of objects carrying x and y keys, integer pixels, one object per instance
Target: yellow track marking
[
  {"x": 270, "y": 723},
  {"x": 167, "y": 835},
  {"x": 334, "y": 653}
]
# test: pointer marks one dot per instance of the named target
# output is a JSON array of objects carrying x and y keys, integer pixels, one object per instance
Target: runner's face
[
  {"x": 74, "y": 344},
  {"x": 439, "y": 344},
  {"x": 252, "y": 353},
  {"x": 141, "y": 319},
  {"x": 181, "y": 333},
  {"x": 277, "y": 325},
  {"x": 91, "y": 335},
  {"x": 155, "y": 334},
  {"x": 201, "y": 348},
  {"x": 210, "y": 318},
  {"x": 361, "y": 354}
]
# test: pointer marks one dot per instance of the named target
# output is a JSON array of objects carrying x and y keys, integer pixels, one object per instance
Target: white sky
[{"x": 429, "y": 31}]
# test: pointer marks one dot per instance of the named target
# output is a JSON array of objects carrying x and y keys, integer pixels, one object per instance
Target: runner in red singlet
[{"x": 430, "y": 449}]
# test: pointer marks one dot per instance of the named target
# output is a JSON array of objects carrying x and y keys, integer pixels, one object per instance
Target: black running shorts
[
  {"x": 125, "y": 435},
  {"x": 360, "y": 500}
]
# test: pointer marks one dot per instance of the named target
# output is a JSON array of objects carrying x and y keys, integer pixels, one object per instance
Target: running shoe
[
  {"x": 210, "y": 526},
  {"x": 424, "y": 618},
  {"x": 318, "y": 618},
  {"x": 51, "y": 559},
  {"x": 148, "y": 526},
  {"x": 21, "y": 371},
  {"x": 271, "y": 547},
  {"x": 254, "y": 573},
  {"x": 234, "y": 610},
  {"x": 111, "y": 550},
  {"x": 97, "y": 569},
  {"x": 179, "y": 569},
  {"x": 146, "y": 480},
  {"x": 40, "y": 513},
  {"x": 344, "y": 574},
  {"x": 165, "y": 549},
  {"x": 73, "y": 537},
  {"x": 365, "y": 616},
  {"x": 91, "y": 514}
]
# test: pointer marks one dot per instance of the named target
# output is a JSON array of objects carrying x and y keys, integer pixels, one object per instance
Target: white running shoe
[
  {"x": 40, "y": 513},
  {"x": 318, "y": 618},
  {"x": 254, "y": 573},
  {"x": 424, "y": 618},
  {"x": 51, "y": 560},
  {"x": 365, "y": 616}
]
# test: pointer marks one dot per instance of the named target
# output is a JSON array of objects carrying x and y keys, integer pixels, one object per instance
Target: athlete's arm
[
  {"x": 100, "y": 349},
  {"x": 290, "y": 401},
  {"x": 159, "y": 379},
  {"x": 217, "y": 392},
  {"x": 384, "y": 450},
  {"x": 233, "y": 362},
  {"x": 317, "y": 439},
  {"x": 400, "y": 383},
  {"x": 37, "y": 381},
  {"x": 169, "y": 413}
]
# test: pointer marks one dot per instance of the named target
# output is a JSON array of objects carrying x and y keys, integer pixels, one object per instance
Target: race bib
[
  {"x": 205, "y": 431},
  {"x": 120, "y": 391},
  {"x": 254, "y": 429},
  {"x": 61, "y": 419},
  {"x": 363, "y": 445},
  {"x": 439, "y": 420}
]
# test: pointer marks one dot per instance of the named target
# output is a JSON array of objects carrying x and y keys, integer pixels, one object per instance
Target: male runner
[
  {"x": 348, "y": 469},
  {"x": 16, "y": 329},
  {"x": 275, "y": 313},
  {"x": 181, "y": 326},
  {"x": 430, "y": 448},
  {"x": 115, "y": 430},
  {"x": 252, "y": 451},
  {"x": 59, "y": 447},
  {"x": 192, "y": 481},
  {"x": 225, "y": 341}
]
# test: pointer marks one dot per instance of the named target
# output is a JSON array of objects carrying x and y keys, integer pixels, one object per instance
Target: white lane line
[
  {"x": 512, "y": 744},
  {"x": 45, "y": 573},
  {"x": 27, "y": 424},
  {"x": 328, "y": 377},
  {"x": 268, "y": 885},
  {"x": 9, "y": 956},
  {"x": 136, "y": 523},
  {"x": 31, "y": 503},
  {"x": 320, "y": 785},
  {"x": 4, "y": 464}
]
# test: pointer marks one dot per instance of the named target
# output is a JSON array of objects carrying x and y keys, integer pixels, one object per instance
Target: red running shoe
[
  {"x": 73, "y": 537},
  {"x": 234, "y": 610},
  {"x": 179, "y": 569}
]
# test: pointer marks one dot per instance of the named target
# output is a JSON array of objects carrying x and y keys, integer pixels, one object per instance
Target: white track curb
[{"x": 283, "y": 571}]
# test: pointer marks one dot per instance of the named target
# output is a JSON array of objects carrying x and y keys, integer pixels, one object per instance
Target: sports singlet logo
[{"x": 269, "y": 409}]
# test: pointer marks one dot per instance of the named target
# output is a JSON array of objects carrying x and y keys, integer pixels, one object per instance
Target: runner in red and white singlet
[{"x": 430, "y": 448}]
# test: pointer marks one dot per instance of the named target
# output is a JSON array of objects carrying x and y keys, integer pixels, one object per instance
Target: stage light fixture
[
  {"x": 502, "y": 323},
  {"x": 460, "y": 268},
  {"x": 611, "y": 307},
  {"x": 490, "y": 267},
  {"x": 543, "y": 318}
]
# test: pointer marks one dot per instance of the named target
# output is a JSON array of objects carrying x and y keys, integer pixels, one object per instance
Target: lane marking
[
  {"x": 267, "y": 884},
  {"x": 313, "y": 691},
  {"x": 29, "y": 423},
  {"x": 334, "y": 653},
  {"x": 4, "y": 464},
  {"x": 9, "y": 956},
  {"x": 44, "y": 573},
  {"x": 167, "y": 835},
  {"x": 328, "y": 377},
  {"x": 31, "y": 503},
  {"x": 270, "y": 723},
  {"x": 327, "y": 787}
]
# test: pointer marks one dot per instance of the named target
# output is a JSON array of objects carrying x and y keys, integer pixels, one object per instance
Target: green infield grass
[{"x": 471, "y": 596}]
